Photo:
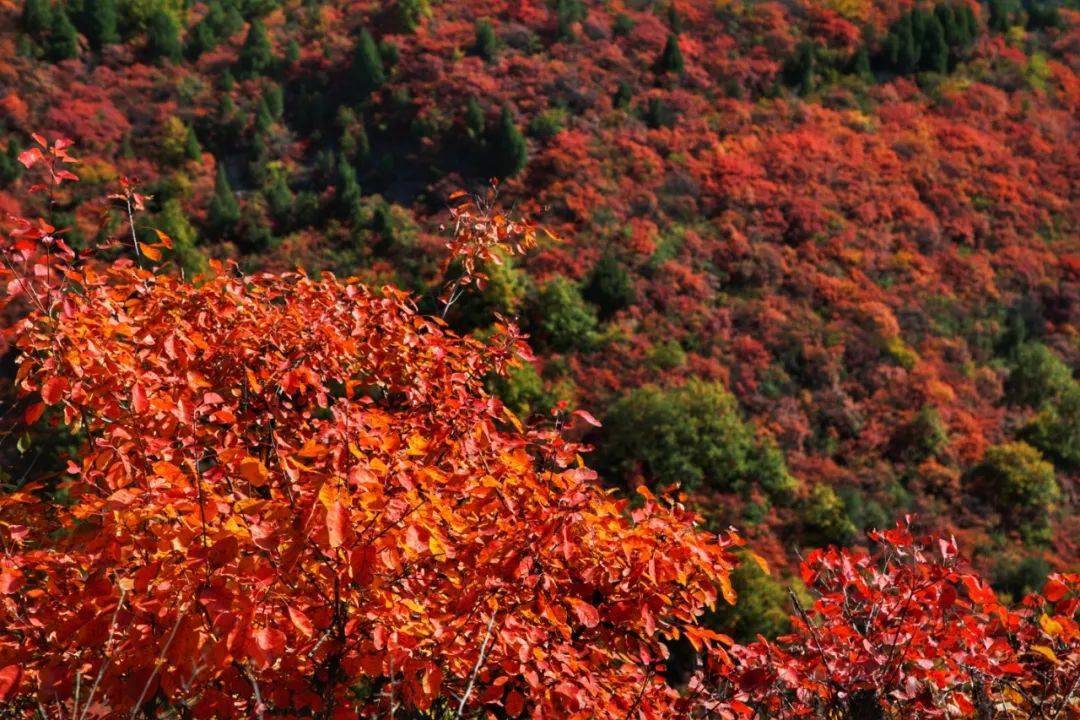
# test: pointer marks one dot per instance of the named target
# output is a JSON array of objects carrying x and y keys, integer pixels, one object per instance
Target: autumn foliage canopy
[{"x": 295, "y": 498}]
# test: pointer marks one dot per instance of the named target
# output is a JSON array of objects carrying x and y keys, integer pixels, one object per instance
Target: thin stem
[{"x": 476, "y": 668}]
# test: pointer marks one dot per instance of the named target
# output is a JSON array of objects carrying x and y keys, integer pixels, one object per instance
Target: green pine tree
[
  {"x": 264, "y": 118},
  {"x": 799, "y": 70},
  {"x": 674, "y": 19},
  {"x": 1000, "y": 17},
  {"x": 861, "y": 65},
  {"x": 946, "y": 15},
  {"x": 347, "y": 193},
  {"x": 935, "y": 50},
  {"x": 36, "y": 17},
  {"x": 275, "y": 100},
  {"x": 671, "y": 59},
  {"x": 486, "y": 44},
  {"x": 256, "y": 55},
  {"x": 292, "y": 53},
  {"x": 475, "y": 121},
  {"x": 63, "y": 42},
  {"x": 201, "y": 38},
  {"x": 367, "y": 66},
  {"x": 192, "y": 149},
  {"x": 224, "y": 210},
  {"x": 279, "y": 198},
  {"x": 100, "y": 22},
  {"x": 907, "y": 59},
  {"x": 508, "y": 151},
  {"x": 163, "y": 37}
]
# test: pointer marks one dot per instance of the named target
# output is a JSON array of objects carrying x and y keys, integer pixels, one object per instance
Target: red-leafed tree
[
  {"x": 908, "y": 632},
  {"x": 294, "y": 498}
]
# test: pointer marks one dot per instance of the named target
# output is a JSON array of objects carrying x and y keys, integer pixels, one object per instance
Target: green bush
[
  {"x": 825, "y": 519},
  {"x": 694, "y": 435},
  {"x": 1017, "y": 578},
  {"x": 763, "y": 607},
  {"x": 522, "y": 390},
  {"x": 1016, "y": 480},
  {"x": 1056, "y": 429},
  {"x": 609, "y": 286},
  {"x": 923, "y": 437},
  {"x": 1038, "y": 376},
  {"x": 561, "y": 319}
]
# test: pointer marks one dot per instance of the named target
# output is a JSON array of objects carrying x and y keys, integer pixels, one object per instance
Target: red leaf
[
  {"x": 1055, "y": 590},
  {"x": 587, "y": 417},
  {"x": 586, "y": 614},
  {"x": 300, "y": 620},
  {"x": 10, "y": 581},
  {"x": 514, "y": 704},
  {"x": 33, "y": 413},
  {"x": 138, "y": 398},
  {"x": 30, "y": 158},
  {"x": 10, "y": 677},
  {"x": 52, "y": 389}
]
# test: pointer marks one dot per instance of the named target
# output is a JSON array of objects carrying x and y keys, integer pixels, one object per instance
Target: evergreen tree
[
  {"x": 367, "y": 66},
  {"x": 486, "y": 44},
  {"x": 999, "y": 16},
  {"x": 861, "y": 65},
  {"x": 279, "y": 198},
  {"x": 192, "y": 149},
  {"x": 292, "y": 53},
  {"x": 674, "y": 19},
  {"x": 100, "y": 22},
  {"x": 671, "y": 59},
  {"x": 201, "y": 38},
  {"x": 475, "y": 121},
  {"x": 907, "y": 59},
  {"x": 63, "y": 42},
  {"x": 799, "y": 69},
  {"x": 347, "y": 194},
  {"x": 275, "y": 100},
  {"x": 935, "y": 50},
  {"x": 969, "y": 23},
  {"x": 946, "y": 15},
  {"x": 36, "y": 17},
  {"x": 224, "y": 210},
  {"x": 256, "y": 56},
  {"x": 508, "y": 151},
  {"x": 163, "y": 36},
  {"x": 264, "y": 119}
]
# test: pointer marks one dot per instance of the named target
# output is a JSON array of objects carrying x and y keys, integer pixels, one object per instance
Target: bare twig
[{"x": 476, "y": 668}]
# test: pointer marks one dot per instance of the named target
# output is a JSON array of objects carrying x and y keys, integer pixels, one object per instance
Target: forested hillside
[{"x": 817, "y": 263}]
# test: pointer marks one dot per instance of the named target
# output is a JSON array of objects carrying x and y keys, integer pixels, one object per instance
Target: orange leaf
[
  {"x": 337, "y": 523},
  {"x": 252, "y": 470}
]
